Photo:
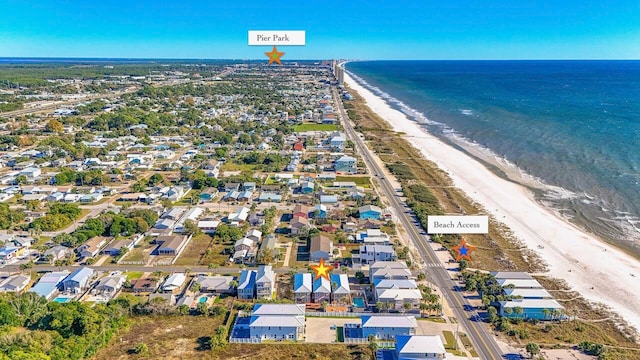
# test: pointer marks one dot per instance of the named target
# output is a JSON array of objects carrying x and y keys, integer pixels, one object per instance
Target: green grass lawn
[
  {"x": 132, "y": 275},
  {"x": 315, "y": 127},
  {"x": 196, "y": 252},
  {"x": 363, "y": 181}
]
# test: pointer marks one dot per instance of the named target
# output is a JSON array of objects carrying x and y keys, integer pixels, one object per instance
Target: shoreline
[{"x": 570, "y": 253}]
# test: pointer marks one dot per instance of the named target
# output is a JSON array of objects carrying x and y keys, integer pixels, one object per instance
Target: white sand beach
[{"x": 599, "y": 271}]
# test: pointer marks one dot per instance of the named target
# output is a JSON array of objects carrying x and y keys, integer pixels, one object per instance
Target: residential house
[
  {"x": 91, "y": 247},
  {"x": 239, "y": 216},
  {"x": 79, "y": 280},
  {"x": 171, "y": 245},
  {"x": 538, "y": 309},
  {"x": 328, "y": 199},
  {"x": 253, "y": 234},
  {"x": 8, "y": 253},
  {"x": 215, "y": 284},
  {"x": 398, "y": 298},
  {"x": 370, "y": 212},
  {"x": 249, "y": 186},
  {"x": 345, "y": 164},
  {"x": 372, "y": 253},
  {"x": 15, "y": 283},
  {"x": 269, "y": 197},
  {"x": 277, "y": 322},
  {"x": 49, "y": 284},
  {"x": 321, "y": 290},
  {"x": 115, "y": 246},
  {"x": 307, "y": 187},
  {"x": 388, "y": 327},
  {"x": 419, "y": 347},
  {"x": 299, "y": 226},
  {"x": 321, "y": 247},
  {"x": 320, "y": 211},
  {"x": 110, "y": 285},
  {"x": 144, "y": 285},
  {"x": 302, "y": 287},
  {"x": 340, "y": 289},
  {"x": 301, "y": 211},
  {"x": 527, "y": 293},
  {"x": 247, "y": 284},
  {"x": 265, "y": 282},
  {"x": 174, "y": 282},
  {"x": 208, "y": 226},
  {"x": 389, "y": 270}
]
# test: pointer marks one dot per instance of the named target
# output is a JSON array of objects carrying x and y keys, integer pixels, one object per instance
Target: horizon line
[{"x": 294, "y": 60}]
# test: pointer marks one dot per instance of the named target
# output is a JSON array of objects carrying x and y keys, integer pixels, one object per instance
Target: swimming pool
[
  {"x": 203, "y": 299},
  {"x": 358, "y": 302},
  {"x": 62, "y": 299}
]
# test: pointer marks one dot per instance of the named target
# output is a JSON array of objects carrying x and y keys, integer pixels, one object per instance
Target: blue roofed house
[
  {"x": 321, "y": 290},
  {"x": 277, "y": 322},
  {"x": 420, "y": 347},
  {"x": 247, "y": 284},
  {"x": 320, "y": 211},
  {"x": 307, "y": 187},
  {"x": 302, "y": 287},
  {"x": 48, "y": 285},
  {"x": 340, "y": 289},
  {"x": 370, "y": 212},
  {"x": 388, "y": 327},
  {"x": 78, "y": 280},
  {"x": 345, "y": 164}
]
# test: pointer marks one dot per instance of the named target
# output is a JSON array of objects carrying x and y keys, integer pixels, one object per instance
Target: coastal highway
[{"x": 482, "y": 339}]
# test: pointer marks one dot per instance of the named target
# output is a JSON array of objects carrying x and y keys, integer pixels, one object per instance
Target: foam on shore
[{"x": 599, "y": 271}]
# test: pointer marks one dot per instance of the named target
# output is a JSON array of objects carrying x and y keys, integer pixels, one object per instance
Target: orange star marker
[
  {"x": 322, "y": 270},
  {"x": 274, "y": 56},
  {"x": 463, "y": 251}
]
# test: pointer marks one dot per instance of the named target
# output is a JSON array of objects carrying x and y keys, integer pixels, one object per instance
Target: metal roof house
[
  {"x": 302, "y": 287},
  {"x": 78, "y": 280},
  {"x": 419, "y": 347},
  {"x": 48, "y": 284},
  {"x": 388, "y": 327},
  {"x": 247, "y": 284}
]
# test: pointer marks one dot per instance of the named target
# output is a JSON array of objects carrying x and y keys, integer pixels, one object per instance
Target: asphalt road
[{"x": 482, "y": 339}]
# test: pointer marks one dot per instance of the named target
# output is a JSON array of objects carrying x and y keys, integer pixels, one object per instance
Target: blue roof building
[{"x": 48, "y": 285}]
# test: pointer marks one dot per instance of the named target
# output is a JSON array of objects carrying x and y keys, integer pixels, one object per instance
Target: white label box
[
  {"x": 457, "y": 224},
  {"x": 277, "y": 37}
]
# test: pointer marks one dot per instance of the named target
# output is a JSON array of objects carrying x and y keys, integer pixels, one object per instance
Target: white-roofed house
[
  {"x": 110, "y": 285},
  {"x": 389, "y": 270},
  {"x": 388, "y": 327},
  {"x": 15, "y": 283},
  {"x": 302, "y": 287},
  {"x": 265, "y": 282},
  {"x": 277, "y": 322},
  {"x": 371, "y": 253},
  {"x": 419, "y": 347},
  {"x": 174, "y": 282},
  {"x": 321, "y": 290},
  {"x": 340, "y": 289},
  {"x": 215, "y": 284},
  {"x": 399, "y": 297}
]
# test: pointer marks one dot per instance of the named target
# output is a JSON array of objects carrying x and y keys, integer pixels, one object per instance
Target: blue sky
[{"x": 398, "y": 29}]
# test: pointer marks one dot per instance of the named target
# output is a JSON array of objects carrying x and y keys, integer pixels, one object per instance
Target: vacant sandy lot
[{"x": 319, "y": 329}]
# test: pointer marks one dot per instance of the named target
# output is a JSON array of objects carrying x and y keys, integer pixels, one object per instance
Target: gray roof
[
  {"x": 389, "y": 321},
  {"x": 279, "y": 309}
]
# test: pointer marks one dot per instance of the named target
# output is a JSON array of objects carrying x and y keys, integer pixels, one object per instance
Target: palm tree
[
  {"x": 508, "y": 311},
  {"x": 546, "y": 313},
  {"x": 518, "y": 311}
]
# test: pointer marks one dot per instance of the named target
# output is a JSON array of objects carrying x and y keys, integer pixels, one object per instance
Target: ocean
[{"x": 568, "y": 130}]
